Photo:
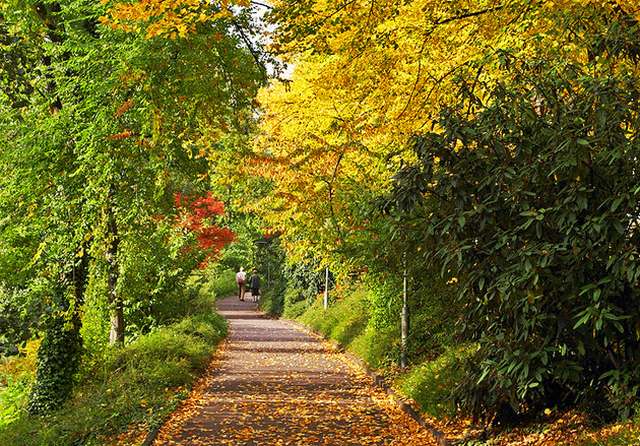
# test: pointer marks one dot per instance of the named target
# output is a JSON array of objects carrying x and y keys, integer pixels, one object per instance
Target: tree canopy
[{"x": 487, "y": 150}]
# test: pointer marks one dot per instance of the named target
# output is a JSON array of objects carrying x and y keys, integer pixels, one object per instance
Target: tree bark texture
[{"x": 116, "y": 335}]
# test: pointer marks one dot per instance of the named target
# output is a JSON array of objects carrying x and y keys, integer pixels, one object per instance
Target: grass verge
[
  {"x": 431, "y": 381},
  {"x": 140, "y": 383},
  {"x": 347, "y": 321}
]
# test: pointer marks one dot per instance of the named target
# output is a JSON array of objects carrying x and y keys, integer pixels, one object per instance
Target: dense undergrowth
[{"x": 118, "y": 387}]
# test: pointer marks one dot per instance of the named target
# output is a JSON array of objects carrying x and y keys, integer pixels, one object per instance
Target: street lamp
[{"x": 405, "y": 315}]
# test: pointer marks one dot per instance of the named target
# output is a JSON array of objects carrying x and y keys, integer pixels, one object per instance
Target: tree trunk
[
  {"x": 116, "y": 335},
  {"x": 79, "y": 275},
  {"x": 59, "y": 354}
]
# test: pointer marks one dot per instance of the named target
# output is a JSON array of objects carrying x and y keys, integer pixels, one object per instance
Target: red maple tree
[{"x": 198, "y": 216}]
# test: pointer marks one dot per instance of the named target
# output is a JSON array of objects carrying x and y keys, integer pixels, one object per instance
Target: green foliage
[
  {"x": 524, "y": 209},
  {"x": 221, "y": 283},
  {"x": 58, "y": 361},
  {"x": 236, "y": 255},
  {"x": 348, "y": 321},
  {"x": 385, "y": 298},
  {"x": 19, "y": 314},
  {"x": 293, "y": 307},
  {"x": 344, "y": 319},
  {"x": 16, "y": 377},
  {"x": 271, "y": 301},
  {"x": 95, "y": 319},
  {"x": 153, "y": 279},
  {"x": 366, "y": 318},
  {"x": 130, "y": 385},
  {"x": 304, "y": 281},
  {"x": 378, "y": 347},
  {"x": 432, "y": 384},
  {"x": 434, "y": 314},
  {"x": 13, "y": 397},
  {"x": 101, "y": 128},
  {"x": 295, "y": 286},
  {"x": 433, "y": 310},
  {"x": 270, "y": 262},
  {"x": 168, "y": 356}
]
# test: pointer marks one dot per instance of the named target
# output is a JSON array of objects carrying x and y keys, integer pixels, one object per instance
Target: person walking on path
[
  {"x": 254, "y": 284},
  {"x": 241, "y": 278},
  {"x": 274, "y": 384}
]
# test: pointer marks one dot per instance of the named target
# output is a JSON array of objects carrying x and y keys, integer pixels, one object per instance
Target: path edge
[
  {"x": 152, "y": 433},
  {"x": 402, "y": 402}
]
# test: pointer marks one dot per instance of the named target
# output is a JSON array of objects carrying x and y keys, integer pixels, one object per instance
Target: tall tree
[{"x": 102, "y": 124}]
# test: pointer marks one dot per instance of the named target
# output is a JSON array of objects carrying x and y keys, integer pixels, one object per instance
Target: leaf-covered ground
[{"x": 273, "y": 384}]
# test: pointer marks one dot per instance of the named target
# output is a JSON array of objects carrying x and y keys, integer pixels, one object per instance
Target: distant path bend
[{"x": 273, "y": 384}]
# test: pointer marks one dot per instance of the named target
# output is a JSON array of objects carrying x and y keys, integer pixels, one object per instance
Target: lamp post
[
  {"x": 326, "y": 288},
  {"x": 405, "y": 315}
]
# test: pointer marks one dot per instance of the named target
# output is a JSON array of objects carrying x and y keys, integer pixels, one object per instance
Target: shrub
[
  {"x": 348, "y": 321},
  {"x": 520, "y": 203},
  {"x": 295, "y": 310},
  {"x": 378, "y": 347},
  {"x": 19, "y": 315},
  {"x": 13, "y": 397},
  {"x": 432, "y": 384},
  {"x": 16, "y": 377},
  {"x": 141, "y": 382},
  {"x": 219, "y": 283},
  {"x": 304, "y": 281},
  {"x": 272, "y": 299}
]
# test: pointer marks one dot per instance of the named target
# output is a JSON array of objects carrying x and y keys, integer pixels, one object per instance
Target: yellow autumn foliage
[
  {"x": 370, "y": 74},
  {"x": 166, "y": 18}
]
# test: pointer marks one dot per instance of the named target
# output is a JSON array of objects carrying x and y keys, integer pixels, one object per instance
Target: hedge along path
[{"x": 273, "y": 384}]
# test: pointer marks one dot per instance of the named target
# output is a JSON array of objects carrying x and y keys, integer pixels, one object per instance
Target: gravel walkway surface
[{"x": 273, "y": 384}]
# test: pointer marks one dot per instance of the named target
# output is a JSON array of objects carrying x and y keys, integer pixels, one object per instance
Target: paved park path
[{"x": 273, "y": 384}]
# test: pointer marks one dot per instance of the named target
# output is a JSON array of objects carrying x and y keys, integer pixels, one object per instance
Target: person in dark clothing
[{"x": 254, "y": 284}]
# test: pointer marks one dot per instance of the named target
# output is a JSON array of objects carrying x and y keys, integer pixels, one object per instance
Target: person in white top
[{"x": 241, "y": 278}]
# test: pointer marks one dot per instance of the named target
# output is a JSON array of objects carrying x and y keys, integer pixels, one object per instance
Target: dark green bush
[
  {"x": 304, "y": 281},
  {"x": 19, "y": 316},
  {"x": 532, "y": 202},
  {"x": 272, "y": 299},
  {"x": 270, "y": 262}
]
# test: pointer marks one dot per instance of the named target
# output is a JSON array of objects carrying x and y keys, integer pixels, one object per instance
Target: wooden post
[
  {"x": 405, "y": 316},
  {"x": 326, "y": 288}
]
